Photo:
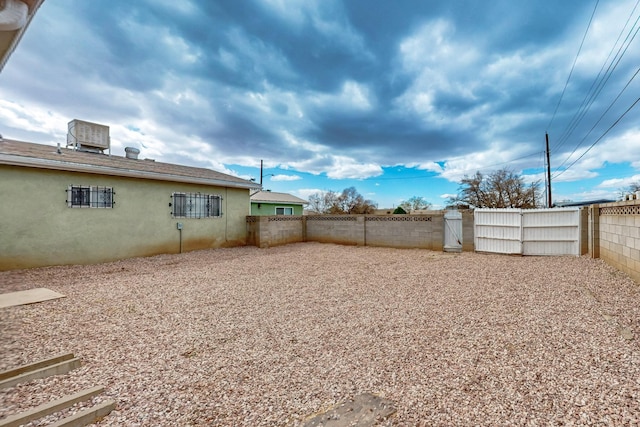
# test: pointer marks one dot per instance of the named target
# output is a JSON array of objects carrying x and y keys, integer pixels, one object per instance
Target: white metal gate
[
  {"x": 452, "y": 231},
  {"x": 528, "y": 231}
]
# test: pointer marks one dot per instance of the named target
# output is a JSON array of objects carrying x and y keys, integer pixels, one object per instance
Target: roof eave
[
  {"x": 106, "y": 170},
  {"x": 275, "y": 202}
]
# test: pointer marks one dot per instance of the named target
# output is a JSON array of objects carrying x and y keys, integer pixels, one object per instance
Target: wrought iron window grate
[
  {"x": 85, "y": 196},
  {"x": 196, "y": 205}
]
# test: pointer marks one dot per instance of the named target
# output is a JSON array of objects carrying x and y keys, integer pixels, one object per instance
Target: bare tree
[
  {"x": 352, "y": 202},
  {"x": 632, "y": 188},
  {"x": 415, "y": 203},
  {"x": 322, "y": 202},
  {"x": 500, "y": 189},
  {"x": 347, "y": 202}
]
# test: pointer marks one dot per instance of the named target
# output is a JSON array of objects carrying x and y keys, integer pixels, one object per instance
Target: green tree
[
  {"x": 415, "y": 203},
  {"x": 500, "y": 189},
  {"x": 399, "y": 211}
]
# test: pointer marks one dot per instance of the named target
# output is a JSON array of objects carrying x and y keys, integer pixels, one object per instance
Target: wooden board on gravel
[{"x": 29, "y": 296}]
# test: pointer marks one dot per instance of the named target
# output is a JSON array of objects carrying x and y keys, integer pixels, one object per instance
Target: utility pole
[
  {"x": 548, "y": 172},
  {"x": 261, "y": 172}
]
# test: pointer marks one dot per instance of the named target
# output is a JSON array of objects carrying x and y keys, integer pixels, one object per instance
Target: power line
[
  {"x": 600, "y": 119},
  {"x": 600, "y": 81},
  {"x": 599, "y": 139},
  {"x": 574, "y": 64}
]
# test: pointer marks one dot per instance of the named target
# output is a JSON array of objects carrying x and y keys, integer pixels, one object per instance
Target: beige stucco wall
[{"x": 37, "y": 228}]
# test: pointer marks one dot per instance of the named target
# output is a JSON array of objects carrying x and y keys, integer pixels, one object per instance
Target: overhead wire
[
  {"x": 599, "y": 120},
  {"x": 600, "y": 138},
  {"x": 573, "y": 66},
  {"x": 600, "y": 81}
]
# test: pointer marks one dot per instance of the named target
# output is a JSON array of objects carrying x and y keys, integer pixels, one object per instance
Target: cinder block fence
[
  {"x": 612, "y": 231},
  {"x": 614, "y": 235},
  {"x": 397, "y": 231}
]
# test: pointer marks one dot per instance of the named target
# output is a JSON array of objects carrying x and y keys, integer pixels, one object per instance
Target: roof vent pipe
[{"x": 131, "y": 152}]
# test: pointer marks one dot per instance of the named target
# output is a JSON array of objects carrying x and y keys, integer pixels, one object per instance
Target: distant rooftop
[
  {"x": 582, "y": 203},
  {"x": 273, "y": 197}
]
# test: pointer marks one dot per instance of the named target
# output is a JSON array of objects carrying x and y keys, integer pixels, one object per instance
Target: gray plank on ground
[{"x": 29, "y": 296}]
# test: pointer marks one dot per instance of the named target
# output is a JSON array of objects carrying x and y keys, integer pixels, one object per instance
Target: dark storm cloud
[{"x": 307, "y": 82}]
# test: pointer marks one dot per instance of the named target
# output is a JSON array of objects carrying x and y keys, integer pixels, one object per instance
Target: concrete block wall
[
  {"x": 340, "y": 229},
  {"x": 618, "y": 227},
  {"x": 397, "y": 231},
  {"x": 406, "y": 231},
  {"x": 265, "y": 231}
]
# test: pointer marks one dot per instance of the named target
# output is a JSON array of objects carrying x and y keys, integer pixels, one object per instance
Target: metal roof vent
[{"x": 132, "y": 152}]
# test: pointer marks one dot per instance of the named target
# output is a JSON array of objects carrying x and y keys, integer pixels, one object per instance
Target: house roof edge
[{"x": 13, "y": 160}]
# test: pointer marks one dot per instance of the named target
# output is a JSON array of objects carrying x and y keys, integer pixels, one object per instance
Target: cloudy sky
[{"x": 397, "y": 99}]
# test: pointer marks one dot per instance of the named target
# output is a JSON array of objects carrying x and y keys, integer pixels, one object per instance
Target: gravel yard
[{"x": 266, "y": 337}]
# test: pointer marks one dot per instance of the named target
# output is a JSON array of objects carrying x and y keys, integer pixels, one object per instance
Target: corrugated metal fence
[{"x": 528, "y": 231}]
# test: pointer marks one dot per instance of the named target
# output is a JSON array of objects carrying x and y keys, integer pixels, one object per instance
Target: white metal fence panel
[
  {"x": 498, "y": 230},
  {"x": 551, "y": 231},
  {"x": 528, "y": 231}
]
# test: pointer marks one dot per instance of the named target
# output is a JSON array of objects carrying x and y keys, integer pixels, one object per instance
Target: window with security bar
[
  {"x": 196, "y": 205},
  {"x": 84, "y": 196}
]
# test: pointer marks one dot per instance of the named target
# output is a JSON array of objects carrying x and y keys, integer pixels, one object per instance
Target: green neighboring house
[
  {"x": 81, "y": 206},
  {"x": 272, "y": 203}
]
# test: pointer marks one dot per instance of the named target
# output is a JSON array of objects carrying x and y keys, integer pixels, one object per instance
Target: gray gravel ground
[{"x": 267, "y": 337}]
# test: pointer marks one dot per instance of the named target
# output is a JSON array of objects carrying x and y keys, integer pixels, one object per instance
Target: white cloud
[
  {"x": 616, "y": 183},
  {"x": 615, "y": 150},
  {"x": 286, "y": 178},
  {"x": 573, "y": 174},
  {"x": 347, "y": 168},
  {"x": 357, "y": 95},
  {"x": 181, "y": 49},
  {"x": 38, "y": 124},
  {"x": 440, "y": 66},
  {"x": 351, "y": 97},
  {"x": 305, "y": 193},
  {"x": 431, "y": 167},
  {"x": 497, "y": 156}
]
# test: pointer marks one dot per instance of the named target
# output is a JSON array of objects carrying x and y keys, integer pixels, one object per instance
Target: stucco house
[
  {"x": 272, "y": 203},
  {"x": 80, "y": 205}
]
